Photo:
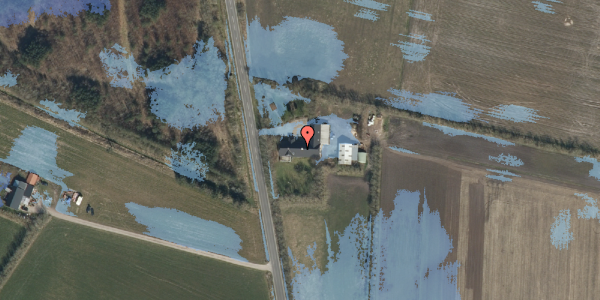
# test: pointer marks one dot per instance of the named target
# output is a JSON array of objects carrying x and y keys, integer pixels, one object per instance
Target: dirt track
[{"x": 150, "y": 239}]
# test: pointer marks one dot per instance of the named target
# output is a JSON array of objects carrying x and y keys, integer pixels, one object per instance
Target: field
[
  {"x": 109, "y": 180},
  {"x": 9, "y": 230},
  {"x": 304, "y": 223},
  {"x": 76, "y": 262},
  {"x": 501, "y": 231},
  {"x": 372, "y": 66},
  {"x": 539, "y": 163},
  {"x": 491, "y": 53}
]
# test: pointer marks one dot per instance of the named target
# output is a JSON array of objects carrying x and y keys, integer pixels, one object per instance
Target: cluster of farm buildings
[{"x": 292, "y": 146}]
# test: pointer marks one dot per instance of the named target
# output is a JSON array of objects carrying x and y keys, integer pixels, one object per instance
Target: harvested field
[
  {"x": 373, "y": 65},
  {"x": 109, "y": 181},
  {"x": 544, "y": 165},
  {"x": 494, "y": 53},
  {"x": 501, "y": 231},
  {"x": 69, "y": 261}
]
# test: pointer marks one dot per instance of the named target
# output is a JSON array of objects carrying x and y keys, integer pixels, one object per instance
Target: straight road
[
  {"x": 154, "y": 240},
  {"x": 265, "y": 207}
]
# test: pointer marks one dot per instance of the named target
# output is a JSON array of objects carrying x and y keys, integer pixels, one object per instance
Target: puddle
[
  {"x": 419, "y": 15},
  {"x": 62, "y": 206},
  {"x": 515, "y": 113},
  {"x": 408, "y": 254},
  {"x": 283, "y": 130},
  {"x": 590, "y": 211},
  {"x": 507, "y": 160},
  {"x": 188, "y": 162},
  {"x": 185, "y": 94},
  {"x": 8, "y": 80},
  {"x": 295, "y": 47},
  {"x": 559, "y": 231},
  {"x": 35, "y": 151},
  {"x": 457, "y": 132},
  {"x": 413, "y": 52},
  {"x": 409, "y": 250},
  {"x": 440, "y": 104},
  {"x": 17, "y": 12},
  {"x": 4, "y": 181},
  {"x": 403, "y": 150},
  {"x": 184, "y": 229},
  {"x": 367, "y": 14},
  {"x": 595, "y": 171},
  {"x": 192, "y": 92},
  {"x": 543, "y": 7},
  {"x": 279, "y": 97},
  {"x": 121, "y": 67},
  {"x": 501, "y": 175},
  {"x": 71, "y": 116}
]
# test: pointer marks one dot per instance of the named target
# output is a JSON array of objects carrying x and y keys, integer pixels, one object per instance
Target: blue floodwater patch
[
  {"x": 367, "y": 14},
  {"x": 595, "y": 171},
  {"x": 591, "y": 210},
  {"x": 296, "y": 47},
  {"x": 420, "y": 15},
  {"x": 262, "y": 228},
  {"x": 543, "y": 7},
  {"x": 507, "y": 160},
  {"x": 188, "y": 162},
  {"x": 8, "y": 80},
  {"x": 16, "y": 12},
  {"x": 292, "y": 128},
  {"x": 35, "y": 151},
  {"x": 559, "y": 231},
  {"x": 184, "y": 229},
  {"x": 280, "y": 96},
  {"x": 442, "y": 105},
  {"x": 515, "y": 113},
  {"x": 413, "y": 52},
  {"x": 62, "y": 206},
  {"x": 346, "y": 273},
  {"x": 457, "y": 132},
  {"x": 501, "y": 174},
  {"x": 71, "y": 116},
  {"x": 45, "y": 197},
  {"x": 192, "y": 92},
  {"x": 271, "y": 179},
  {"x": 409, "y": 250},
  {"x": 555, "y": 1},
  {"x": 369, "y": 4},
  {"x": 4, "y": 181},
  {"x": 403, "y": 150},
  {"x": 121, "y": 67},
  {"x": 340, "y": 131}
]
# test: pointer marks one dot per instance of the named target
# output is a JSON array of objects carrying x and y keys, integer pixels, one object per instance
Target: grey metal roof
[{"x": 22, "y": 190}]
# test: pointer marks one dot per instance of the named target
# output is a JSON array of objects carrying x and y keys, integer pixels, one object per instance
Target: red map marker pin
[{"x": 307, "y": 133}]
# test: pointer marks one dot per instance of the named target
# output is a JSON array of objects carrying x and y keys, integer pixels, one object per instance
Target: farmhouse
[
  {"x": 20, "y": 194},
  {"x": 292, "y": 146}
]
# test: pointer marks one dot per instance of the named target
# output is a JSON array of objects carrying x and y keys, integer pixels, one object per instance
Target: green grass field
[
  {"x": 70, "y": 261},
  {"x": 294, "y": 178},
  {"x": 9, "y": 231},
  {"x": 109, "y": 180}
]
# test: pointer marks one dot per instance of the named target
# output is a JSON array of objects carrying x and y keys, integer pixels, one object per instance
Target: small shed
[
  {"x": 362, "y": 157},
  {"x": 32, "y": 179},
  {"x": 273, "y": 106}
]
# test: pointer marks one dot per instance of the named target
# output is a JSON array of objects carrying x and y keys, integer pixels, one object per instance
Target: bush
[
  {"x": 157, "y": 59},
  {"x": 99, "y": 19},
  {"x": 85, "y": 93},
  {"x": 150, "y": 9},
  {"x": 34, "y": 46}
]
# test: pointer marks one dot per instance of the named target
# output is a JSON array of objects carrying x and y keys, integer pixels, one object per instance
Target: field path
[
  {"x": 123, "y": 24},
  {"x": 154, "y": 240}
]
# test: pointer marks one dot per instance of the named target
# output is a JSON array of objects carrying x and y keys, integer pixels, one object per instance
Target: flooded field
[{"x": 504, "y": 236}]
